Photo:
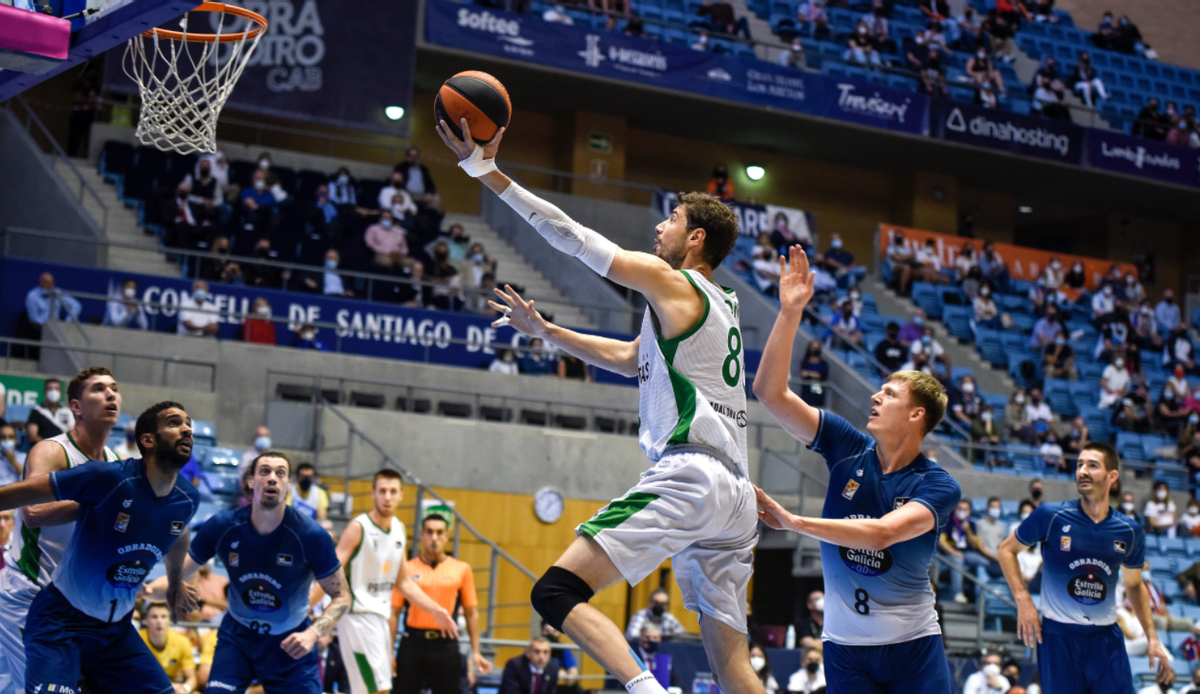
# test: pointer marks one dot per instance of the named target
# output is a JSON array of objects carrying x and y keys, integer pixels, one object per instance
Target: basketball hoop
[{"x": 184, "y": 79}]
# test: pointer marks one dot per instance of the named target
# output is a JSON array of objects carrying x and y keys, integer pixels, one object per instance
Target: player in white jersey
[
  {"x": 42, "y": 532},
  {"x": 372, "y": 550},
  {"x": 695, "y": 505}
]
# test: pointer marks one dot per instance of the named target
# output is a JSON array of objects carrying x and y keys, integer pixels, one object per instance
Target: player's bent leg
[
  {"x": 232, "y": 667},
  {"x": 729, "y": 655}
]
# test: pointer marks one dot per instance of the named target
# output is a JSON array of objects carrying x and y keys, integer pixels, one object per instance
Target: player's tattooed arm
[{"x": 300, "y": 643}]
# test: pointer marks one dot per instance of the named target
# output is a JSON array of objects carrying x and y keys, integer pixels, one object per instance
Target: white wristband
[{"x": 475, "y": 165}]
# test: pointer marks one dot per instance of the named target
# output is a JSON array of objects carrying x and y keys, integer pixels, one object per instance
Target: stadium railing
[{"x": 167, "y": 361}]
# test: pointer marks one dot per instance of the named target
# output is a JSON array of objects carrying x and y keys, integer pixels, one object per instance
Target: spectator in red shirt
[
  {"x": 720, "y": 185},
  {"x": 257, "y": 327}
]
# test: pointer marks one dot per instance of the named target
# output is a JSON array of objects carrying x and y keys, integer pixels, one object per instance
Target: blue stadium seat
[
  {"x": 957, "y": 320},
  {"x": 978, "y": 505},
  {"x": 1176, "y": 476},
  {"x": 1192, "y": 545},
  {"x": 1129, "y": 445},
  {"x": 1173, "y": 546},
  {"x": 926, "y": 296},
  {"x": 204, "y": 433},
  {"x": 1159, "y": 562}
]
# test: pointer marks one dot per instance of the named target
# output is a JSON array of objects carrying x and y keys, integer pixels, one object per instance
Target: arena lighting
[
  {"x": 394, "y": 112},
  {"x": 1025, "y": 209},
  {"x": 755, "y": 172}
]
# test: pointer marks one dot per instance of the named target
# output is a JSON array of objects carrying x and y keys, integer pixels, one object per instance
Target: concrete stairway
[
  {"x": 512, "y": 268},
  {"x": 122, "y": 224}
]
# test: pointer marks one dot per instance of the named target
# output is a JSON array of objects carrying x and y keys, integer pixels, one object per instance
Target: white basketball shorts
[{"x": 366, "y": 651}]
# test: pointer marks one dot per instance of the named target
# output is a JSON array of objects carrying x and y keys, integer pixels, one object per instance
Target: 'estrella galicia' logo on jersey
[
  {"x": 233, "y": 559},
  {"x": 900, "y": 501},
  {"x": 176, "y": 527},
  {"x": 284, "y": 560},
  {"x": 127, "y": 503},
  {"x": 1065, "y": 543},
  {"x": 851, "y": 488},
  {"x": 122, "y": 523},
  {"x": 1119, "y": 546},
  {"x": 1088, "y": 588},
  {"x": 866, "y": 562}
]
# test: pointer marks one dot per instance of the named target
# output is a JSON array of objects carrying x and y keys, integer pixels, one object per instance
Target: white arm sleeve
[{"x": 563, "y": 233}]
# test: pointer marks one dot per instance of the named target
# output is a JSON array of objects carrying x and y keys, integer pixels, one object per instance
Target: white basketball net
[{"x": 184, "y": 85}]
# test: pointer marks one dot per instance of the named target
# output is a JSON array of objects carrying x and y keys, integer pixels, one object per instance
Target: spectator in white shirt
[
  {"x": 504, "y": 363},
  {"x": 1135, "y": 635},
  {"x": 1160, "y": 511},
  {"x": 1102, "y": 302},
  {"x": 930, "y": 265},
  {"x": 1166, "y": 313},
  {"x": 766, "y": 271},
  {"x": 811, "y": 675},
  {"x": 1038, "y": 410},
  {"x": 1052, "y": 453},
  {"x": 1190, "y": 521},
  {"x": 123, "y": 309},
  {"x": 387, "y": 194},
  {"x": 1178, "y": 382},
  {"x": 1052, "y": 275},
  {"x": 965, "y": 261},
  {"x": 197, "y": 314},
  {"x": 986, "y": 313},
  {"x": 1134, "y": 291},
  {"x": 988, "y": 679},
  {"x": 1030, "y": 564},
  {"x": 1114, "y": 382},
  {"x": 557, "y": 14}
]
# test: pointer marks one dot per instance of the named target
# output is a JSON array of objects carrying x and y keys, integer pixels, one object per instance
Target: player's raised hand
[
  {"x": 774, "y": 515},
  {"x": 183, "y": 600},
  {"x": 796, "y": 281},
  {"x": 300, "y": 643},
  {"x": 465, "y": 147},
  {"x": 446, "y": 623},
  {"x": 1029, "y": 623},
  {"x": 520, "y": 314},
  {"x": 1159, "y": 656}
]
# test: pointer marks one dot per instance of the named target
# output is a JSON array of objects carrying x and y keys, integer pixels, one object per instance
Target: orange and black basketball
[{"x": 478, "y": 97}]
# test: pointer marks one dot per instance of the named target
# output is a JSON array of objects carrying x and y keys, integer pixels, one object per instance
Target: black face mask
[
  {"x": 812, "y": 667},
  {"x": 657, "y": 610},
  {"x": 305, "y": 483},
  {"x": 263, "y": 252},
  {"x": 1035, "y": 494},
  {"x": 204, "y": 173},
  {"x": 441, "y": 256},
  {"x": 650, "y": 646}
]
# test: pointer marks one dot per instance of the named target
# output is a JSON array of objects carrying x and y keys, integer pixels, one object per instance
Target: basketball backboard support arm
[{"x": 108, "y": 30}]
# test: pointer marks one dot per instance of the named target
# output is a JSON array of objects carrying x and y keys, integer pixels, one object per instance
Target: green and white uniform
[
  {"x": 696, "y": 505},
  {"x": 363, "y": 635},
  {"x": 31, "y": 556}
]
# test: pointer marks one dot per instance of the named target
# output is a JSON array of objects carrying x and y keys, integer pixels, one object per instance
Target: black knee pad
[{"x": 556, "y": 593}]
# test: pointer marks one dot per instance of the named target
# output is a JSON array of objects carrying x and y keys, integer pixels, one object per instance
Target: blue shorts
[
  {"x": 912, "y": 667},
  {"x": 244, "y": 656},
  {"x": 1083, "y": 659},
  {"x": 63, "y": 645}
]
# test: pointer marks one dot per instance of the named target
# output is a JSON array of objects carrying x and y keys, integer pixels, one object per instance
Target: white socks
[{"x": 645, "y": 684}]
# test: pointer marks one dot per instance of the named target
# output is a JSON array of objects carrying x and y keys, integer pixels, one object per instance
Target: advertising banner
[
  {"x": 22, "y": 390},
  {"x": 1007, "y": 131},
  {"x": 1141, "y": 157},
  {"x": 672, "y": 66},
  {"x": 754, "y": 219},
  {"x": 1023, "y": 263},
  {"x": 328, "y": 61}
]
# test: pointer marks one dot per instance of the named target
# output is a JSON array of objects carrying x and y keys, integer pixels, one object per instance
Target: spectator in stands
[
  {"x": 810, "y": 678},
  {"x": 1145, "y": 335},
  {"x": 966, "y": 405},
  {"x": 170, "y": 648},
  {"x": 1166, "y": 314},
  {"x": 991, "y": 532},
  {"x": 387, "y": 194},
  {"x": 890, "y": 353},
  {"x": 1189, "y": 581},
  {"x": 1134, "y": 634},
  {"x": 263, "y": 275},
  {"x": 991, "y": 264},
  {"x": 934, "y": 10},
  {"x": 720, "y": 184},
  {"x": 721, "y": 17},
  {"x": 1042, "y": 11},
  {"x": 967, "y": 30},
  {"x": 123, "y": 309},
  {"x": 1136, "y": 411},
  {"x": 964, "y": 261},
  {"x": 840, "y": 262},
  {"x": 961, "y": 547},
  {"x": 932, "y": 82},
  {"x": 928, "y": 266},
  {"x": 219, "y": 166},
  {"x": 477, "y": 301},
  {"x": 1076, "y": 279},
  {"x": 389, "y": 243},
  {"x": 1086, "y": 82},
  {"x": 12, "y": 468},
  {"x": 918, "y": 362},
  {"x": 1190, "y": 522},
  {"x": 813, "y": 368},
  {"x": 932, "y": 349},
  {"x": 1128, "y": 39},
  {"x": 854, "y": 296},
  {"x": 812, "y": 16},
  {"x": 1051, "y": 101},
  {"x": 183, "y": 228},
  {"x": 1000, "y": 36},
  {"x": 533, "y": 672},
  {"x": 1160, "y": 511},
  {"x": 328, "y": 281},
  {"x": 658, "y": 613},
  {"x": 417, "y": 179},
  {"x": 571, "y": 367},
  {"x": 128, "y": 447},
  {"x": 984, "y": 310},
  {"x": 535, "y": 361},
  {"x": 1016, "y": 418},
  {"x": 859, "y": 48},
  {"x": 207, "y": 197},
  {"x": 916, "y": 56},
  {"x": 1030, "y": 564},
  {"x": 1052, "y": 454},
  {"x": 1114, "y": 382},
  {"x": 1037, "y": 411},
  {"x": 262, "y": 444},
  {"x": 306, "y": 338},
  {"x": 504, "y": 363},
  {"x": 877, "y": 28},
  {"x": 446, "y": 280},
  {"x": 845, "y": 330},
  {"x": 809, "y": 629},
  {"x": 1059, "y": 359},
  {"x": 322, "y": 217},
  {"x": 1148, "y": 123},
  {"x": 793, "y": 55},
  {"x": 478, "y": 263},
  {"x": 1129, "y": 508},
  {"x": 984, "y": 430},
  {"x": 1077, "y": 437},
  {"x": 1105, "y": 32},
  {"x": 1178, "y": 351},
  {"x": 260, "y": 208},
  {"x": 988, "y": 679},
  {"x": 913, "y": 330},
  {"x": 1194, "y": 686},
  {"x": 341, "y": 189},
  {"x": 1172, "y": 415},
  {"x": 307, "y": 496},
  {"x": 198, "y": 313},
  {"x": 217, "y": 267},
  {"x": 762, "y": 670},
  {"x": 257, "y": 327},
  {"x": 983, "y": 71},
  {"x": 903, "y": 261}
]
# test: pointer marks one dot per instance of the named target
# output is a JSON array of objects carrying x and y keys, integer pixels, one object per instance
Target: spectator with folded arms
[{"x": 123, "y": 309}]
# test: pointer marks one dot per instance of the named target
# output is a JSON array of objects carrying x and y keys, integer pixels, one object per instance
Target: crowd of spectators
[{"x": 1170, "y": 125}]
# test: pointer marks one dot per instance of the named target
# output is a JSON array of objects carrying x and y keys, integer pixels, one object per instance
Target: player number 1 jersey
[{"x": 693, "y": 387}]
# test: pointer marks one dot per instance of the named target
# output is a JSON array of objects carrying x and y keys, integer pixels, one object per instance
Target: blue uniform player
[
  {"x": 1086, "y": 549},
  {"x": 132, "y": 515},
  {"x": 879, "y": 528},
  {"x": 272, "y": 553}
]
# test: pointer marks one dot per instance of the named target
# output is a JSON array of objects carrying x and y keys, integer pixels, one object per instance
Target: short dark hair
[
  {"x": 155, "y": 606},
  {"x": 272, "y": 454},
  {"x": 436, "y": 517},
  {"x": 993, "y": 498},
  {"x": 1112, "y": 461},
  {"x": 51, "y": 380},
  {"x": 302, "y": 467},
  {"x": 147, "y": 423},
  {"x": 720, "y": 224},
  {"x": 386, "y": 474},
  {"x": 75, "y": 387}
]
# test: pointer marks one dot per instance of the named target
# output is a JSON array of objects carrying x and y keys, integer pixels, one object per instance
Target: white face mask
[
  {"x": 260, "y": 184},
  {"x": 994, "y": 511},
  {"x": 52, "y": 396},
  {"x": 307, "y": 337},
  {"x": 1119, "y": 363},
  {"x": 968, "y": 387},
  {"x": 1024, "y": 515},
  {"x": 962, "y": 515},
  {"x": 819, "y": 605},
  {"x": 264, "y": 311},
  {"x": 1193, "y": 511},
  {"x": 991, "y": 670},
  {"x": 1127, "y": 507},
  {"x": 264, "y": 163},
  {"x": 757, "y": 662},
  {"x": 129, "y": 292},
  {"x": 1161, "y": 494}
]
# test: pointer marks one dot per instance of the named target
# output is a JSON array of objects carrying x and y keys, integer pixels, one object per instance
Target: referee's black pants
[{"x": 432, "y": 661}]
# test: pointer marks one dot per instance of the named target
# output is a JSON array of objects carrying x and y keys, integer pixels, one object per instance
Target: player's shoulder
[
  {"x": 224, "y": 520},
  {"x": 304, "y": 525},
  {"x": 185, "y": 487},
  {"x": 1123, "y": 521}
]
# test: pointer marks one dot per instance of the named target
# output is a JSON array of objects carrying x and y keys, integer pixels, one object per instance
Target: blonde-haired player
[
  {"x": 372, "y": 550},
  {"x": 879, "y": 527}
]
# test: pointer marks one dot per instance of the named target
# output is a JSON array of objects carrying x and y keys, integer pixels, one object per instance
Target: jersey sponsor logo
[
  {"x": 1119, "y": 546},
  {"x": 259, "y": 596},
  {"x": 283, "y": 560},
  {"x": 141, "y": 547},
  {"x": 131, "y": 572},
  {"x": 1064, "y": 544},
  {"x": 122, "y": 523},
  {"x": 58, "y": 689},
  {"x": 127, "y": 503},
  {"x": 738, "y": 416},
  {"x": 850, "y": 490},
  {"x": 233, "y": 558},
  {"x": 1088, "y": 588},
  {"x": 900, "y": 501},
  {"x": 176, "y": 527},
  {"x": 380, "y": 588},
  {"x": 866, "y": 562}
]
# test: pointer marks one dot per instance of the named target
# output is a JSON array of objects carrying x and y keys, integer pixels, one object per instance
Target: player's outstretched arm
[
  {"x": 413, "y": 594},
  {"x": 46, "y": 457},
  {"x": 872, "y": 534},
  {"x": 300, "y": 643},
  {"x": 617, "y": 356},
  {"x": 797, "y": 417},
  {"x": 37, "y": 490},
  {"x": 1139, "y": 600},
  {"x": 1029, "y": 626}
]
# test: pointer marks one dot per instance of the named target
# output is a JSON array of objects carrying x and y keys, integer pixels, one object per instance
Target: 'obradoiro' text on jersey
[
  {"x": 693, "y": 387},
  {"x": 878, "y": 597},
  {"x": 269, "y": 575},
  {"x": 1082, "y": 560},
  {"x": 122, "y": 531}
]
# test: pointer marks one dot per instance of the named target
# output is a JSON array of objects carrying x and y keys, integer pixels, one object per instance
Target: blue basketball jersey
[
  {"x": 122, "y": 531},
  {"x": 1081, "y": 560},
  {"x": 883, "y": 597},
  {"x": 269, "y": 576}
]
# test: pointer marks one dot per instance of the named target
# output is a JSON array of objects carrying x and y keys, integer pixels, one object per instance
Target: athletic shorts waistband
[
  {"x": 710, "y": 451},
  {"x": 1076, "y": 629}
]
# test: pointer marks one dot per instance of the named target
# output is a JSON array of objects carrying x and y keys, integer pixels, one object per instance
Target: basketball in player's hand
[{"x": 478, "y": 97}]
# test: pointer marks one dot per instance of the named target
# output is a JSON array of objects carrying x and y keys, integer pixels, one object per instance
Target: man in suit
[{"x": 535, "y": 672}]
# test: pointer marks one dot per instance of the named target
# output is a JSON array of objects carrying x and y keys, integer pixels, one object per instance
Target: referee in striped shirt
[{"x": 425, "y": 656}]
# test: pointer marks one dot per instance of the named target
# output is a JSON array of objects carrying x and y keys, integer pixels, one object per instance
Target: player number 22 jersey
[{"x": 693, "y": 387}]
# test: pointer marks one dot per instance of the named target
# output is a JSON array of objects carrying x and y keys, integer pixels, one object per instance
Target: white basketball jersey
[
  {"x": 693, "y": 387},
  {"x": 34, "y": 552},
  {"x": 374, "y": 565}
]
